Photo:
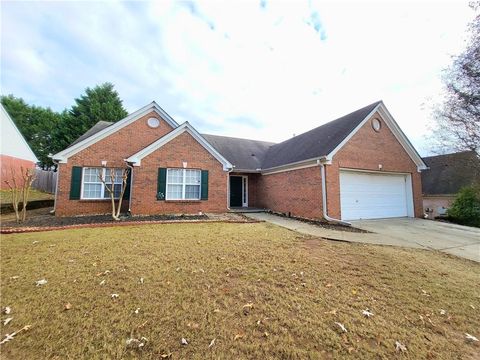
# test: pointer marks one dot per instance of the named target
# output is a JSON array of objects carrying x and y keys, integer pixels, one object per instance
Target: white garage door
[{"x": 366, "y": 195}]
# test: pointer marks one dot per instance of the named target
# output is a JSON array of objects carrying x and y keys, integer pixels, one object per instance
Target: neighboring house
[
  {"x": 358, "y": 166},
  {"x": 15, "y": 153},
  {"x": 445, "y": 176}
]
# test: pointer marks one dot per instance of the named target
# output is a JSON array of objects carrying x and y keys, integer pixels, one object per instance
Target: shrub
[{"x": 465, "y": 209}]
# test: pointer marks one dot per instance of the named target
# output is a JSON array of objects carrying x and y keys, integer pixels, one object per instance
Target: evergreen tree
[{"x": 99, "y": 103}]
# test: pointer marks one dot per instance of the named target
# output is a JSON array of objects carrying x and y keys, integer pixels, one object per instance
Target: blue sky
[{"x": 256, "y": 69}]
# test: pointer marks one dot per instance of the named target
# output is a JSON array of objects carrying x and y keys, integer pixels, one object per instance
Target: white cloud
[{"x": 239, "y": 70}]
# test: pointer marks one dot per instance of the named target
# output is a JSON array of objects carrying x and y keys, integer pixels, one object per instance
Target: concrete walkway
[{"x": 414, "y": 233}]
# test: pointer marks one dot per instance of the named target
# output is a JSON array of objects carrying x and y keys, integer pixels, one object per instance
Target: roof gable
[
  {"x": 317, "y": 142},
  {"x": 325, "y": 141},
  {"x": 136, "y": 159},
  {"x": 76, "y": 147}
]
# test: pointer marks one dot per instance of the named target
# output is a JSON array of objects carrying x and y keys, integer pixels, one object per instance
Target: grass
[
  {"x": 199, "y": 277},
  {"x": 6, "y": 197}
]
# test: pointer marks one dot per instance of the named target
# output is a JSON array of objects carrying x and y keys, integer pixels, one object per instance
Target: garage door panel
[{"x": 372, "y": 195}]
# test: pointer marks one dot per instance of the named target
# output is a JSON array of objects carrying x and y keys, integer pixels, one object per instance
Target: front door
[{"x": 236, "y": 191}]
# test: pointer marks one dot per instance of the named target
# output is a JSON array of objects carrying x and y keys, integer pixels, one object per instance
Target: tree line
[{"x": 48, "y": 131}]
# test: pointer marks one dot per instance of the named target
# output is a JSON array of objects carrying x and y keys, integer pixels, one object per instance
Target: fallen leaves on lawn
[
  {"x": 239, "y": 336},
  {"x": 212, "y": 343},
  {"x": 331, "y": 312},
  {"x": 136, "y": 343},
  {"x": 166, "y": 356},
  {"x": 193, "y": 325},
  {"x": 35, "y": 242},
  {"x": 442, "y": 312},
  {"x": 106, "y": 272},
  {"x": 9, "y": 337},
  {"x": 184, "y": 341},
  {"x": 470, "y": 337},
  {"x": 40, "y": 282},
  {"x": 102, "y": 282},
  {"x": 14, "y": 277},
  {"x": 7, "y": 310},
  {"x": 473, "y": 307},
  {"x": 67, "y": 306},
  {"x": 141, "y": 280},
  {"x": 247, "y": 308},
  {"x": 7, "y": 320},
  {"x": 424, "y": 293},
  {"x": 115, "y": 296},
  {"x": 367, "y": 313},
  {"x": 137, "y": 310},
  {"x": 341, "y": 326},
  {"x": 399, "y": 346}
]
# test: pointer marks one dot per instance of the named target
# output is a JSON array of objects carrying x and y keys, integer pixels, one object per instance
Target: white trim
[
  {"x": 136, "y": 159},
  {"x": 294, "y": 166},
  {"x": 244, "y": 191},
  {"x": 394, "y": 128},
  {"x": 33, "y": 157},
  {"x": 374, "y": 171},
  {"x": 62, "y": 156}
]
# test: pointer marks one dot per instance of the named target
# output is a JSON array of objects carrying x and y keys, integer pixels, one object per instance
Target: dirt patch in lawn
[{"x": 232, "y": 291}]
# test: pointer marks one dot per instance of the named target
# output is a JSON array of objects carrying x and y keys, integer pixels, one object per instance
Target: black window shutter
[
  {"x": 204, "y": 192},
  {"x": 126, "y": 194},
  {"x": 161, "y": 183},
  {"x": 76, "y": 183}
]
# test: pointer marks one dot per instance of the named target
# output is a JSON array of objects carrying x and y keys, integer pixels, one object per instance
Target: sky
[{"x": 263, "y": 70}]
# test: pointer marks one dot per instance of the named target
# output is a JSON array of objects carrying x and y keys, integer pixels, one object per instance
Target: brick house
[{"x": 358, "y": 166}]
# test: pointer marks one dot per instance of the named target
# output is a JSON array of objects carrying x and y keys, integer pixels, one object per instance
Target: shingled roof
[
  {"x": 252, "y": 155},
  {"x": 316, "y": 142},
  {"x": 99, "y": 126},
  {"x": 244, "y": 154},
  {"x": 447, "y": 174}
]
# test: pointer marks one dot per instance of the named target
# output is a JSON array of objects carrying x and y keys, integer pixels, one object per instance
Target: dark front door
[{"x": 235, "y": 191}]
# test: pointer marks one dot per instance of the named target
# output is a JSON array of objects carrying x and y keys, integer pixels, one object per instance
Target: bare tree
[
  {"x": 110, "y": 187},
  {"x": 458, "y": 117},
  {"x": 20, "y": 192}
]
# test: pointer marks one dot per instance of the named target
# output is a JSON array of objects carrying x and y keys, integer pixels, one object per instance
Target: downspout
[
  {"x": 56, "y": 187},
  {"x": 324, "y": 198},
  {"x": 131, "y": 187}
]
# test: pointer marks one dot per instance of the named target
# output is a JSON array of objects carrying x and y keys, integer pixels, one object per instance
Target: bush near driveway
[
  {"x": 465, "y": 210},
  {"x": 261, "y": 291}
]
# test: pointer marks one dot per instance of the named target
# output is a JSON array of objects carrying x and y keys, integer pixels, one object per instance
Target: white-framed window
[
  {"x": 92, "y": 186},
  {"x": 183, "y": 184}
]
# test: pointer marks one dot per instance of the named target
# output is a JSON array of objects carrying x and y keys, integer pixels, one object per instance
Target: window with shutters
[
  {"x": 92, "y": 186},
  {"x": 183, "y": 184}
]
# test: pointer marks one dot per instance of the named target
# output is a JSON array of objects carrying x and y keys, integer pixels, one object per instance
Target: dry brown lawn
[
  {"x": 198, "y": 279},
  {"x": 6, "y": 196}
]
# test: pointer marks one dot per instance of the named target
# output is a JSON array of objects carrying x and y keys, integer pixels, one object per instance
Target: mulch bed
[
  {"x": 325, "y": 225},
  {"x": 51, "y": 222}
]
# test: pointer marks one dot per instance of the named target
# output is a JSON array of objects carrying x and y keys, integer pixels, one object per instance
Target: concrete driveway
[
  {"x": 454, "y": 239},
  {"x": 457, "y": 240}
]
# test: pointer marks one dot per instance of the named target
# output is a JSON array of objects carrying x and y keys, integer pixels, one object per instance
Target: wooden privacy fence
[{"x": 45, "y": 181}]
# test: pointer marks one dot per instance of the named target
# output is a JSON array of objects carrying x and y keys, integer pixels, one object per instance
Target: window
[
  {"x": 183, "y": 184},
  {"x": 93, "y": 187}
]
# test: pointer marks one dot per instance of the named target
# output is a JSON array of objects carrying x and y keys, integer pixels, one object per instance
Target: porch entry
[{"x": 238, "y": 191}]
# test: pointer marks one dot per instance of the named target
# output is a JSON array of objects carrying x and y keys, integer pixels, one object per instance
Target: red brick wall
[
  {"x": 366, "y": 150},
  {"x": 184, "y": 148},
  {"x": 113, "y": 149},
  {"x": 298, "y": 192},
  {"x": 11, "y": 167}
]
